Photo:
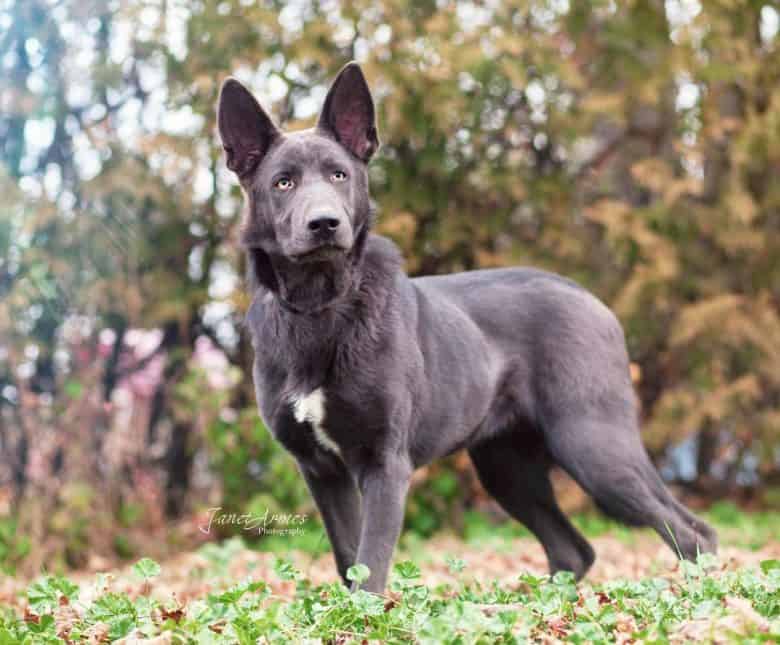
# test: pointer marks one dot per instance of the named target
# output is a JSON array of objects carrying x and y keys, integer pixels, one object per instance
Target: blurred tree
[{"x": 632, "y": 146}]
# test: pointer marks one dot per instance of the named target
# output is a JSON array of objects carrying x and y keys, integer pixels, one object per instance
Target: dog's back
[{"x": 509, "y": 347}]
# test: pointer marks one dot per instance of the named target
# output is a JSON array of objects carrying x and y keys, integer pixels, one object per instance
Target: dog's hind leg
[
  {"x": 515, "y": 471},
  {"x": 611, "y": 464}
]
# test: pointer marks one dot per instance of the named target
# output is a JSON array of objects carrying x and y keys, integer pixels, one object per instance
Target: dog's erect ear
[
  {"x": 348, "y": 113},
  {"x": 246, "y": 130}
]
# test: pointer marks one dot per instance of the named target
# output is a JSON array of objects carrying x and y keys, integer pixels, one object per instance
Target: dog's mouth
[{"x": 320, "y": 254}]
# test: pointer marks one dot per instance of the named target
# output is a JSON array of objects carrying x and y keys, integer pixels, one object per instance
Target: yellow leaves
[
  {"x": 659, "y": 255},
  {"x": 308, "y": 45},
  {"x": 683, "y": 410},
  {"x": 734, "y": 322},
  {"x": 704, "y": 316},
  {"x": 514, "y": 71},
  {"x": 487, "y": 259},
  {"x": 650, "y": 261},
  {"x": 440, "y": 23},
  {"x": 653, "y": 173},
  {"x": 517, "y": 189},
  {"x": 240, "y": 300},
  {"x": 205, "y": 84},
  {"x": 728, "y": 125},
  {"x": 720, "y": 402},
  {"x": 716, "y": 331},
  {"x": 656, "y": 175},
  {"x": 570, "y": 73},
  {"x": 742, "y": 241},
  {"x": 649, "y": 89},
  {"x": 769, "y": 423},
  {"x": 400, "y": 226},
  {"x": 681, "y": 187},
  {"x": 605, "y": 103},
  {"x": 610, "y": 212},
  {"x": 636, "y": 372},
  {"x": 741, "y": 206},
  {"x": 629, "y": 298},
  {"x": 37, "y": 217},
  {"x": 512, "y": 45}
]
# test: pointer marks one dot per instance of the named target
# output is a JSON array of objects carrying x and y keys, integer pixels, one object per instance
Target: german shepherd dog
[{"x": 364, "y": 374}]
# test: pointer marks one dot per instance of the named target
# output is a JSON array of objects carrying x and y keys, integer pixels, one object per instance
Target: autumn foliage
[{"x": 632, "y": 146}]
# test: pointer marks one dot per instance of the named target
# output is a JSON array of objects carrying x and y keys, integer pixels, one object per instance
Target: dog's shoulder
[
  {"x": 258, "y": 312},
  {"x": 382, "y": 255}
]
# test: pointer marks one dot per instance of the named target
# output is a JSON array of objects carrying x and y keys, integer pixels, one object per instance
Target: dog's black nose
[{"x": 323, "y": 225}]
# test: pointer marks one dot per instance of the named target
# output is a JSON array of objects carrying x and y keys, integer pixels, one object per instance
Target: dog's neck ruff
[
  {"x": 310, "y": 311},
  {"x": 301, "y": 280},
  {"x": 304, "y": 347}
]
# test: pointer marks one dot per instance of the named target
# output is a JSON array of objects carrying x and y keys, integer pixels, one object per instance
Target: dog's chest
[{"x": 311, "y": 408}]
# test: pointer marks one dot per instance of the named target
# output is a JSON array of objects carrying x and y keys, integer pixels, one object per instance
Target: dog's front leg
[
  {"x": 383, "y": 487},
  {"x": 338, "y": 500}
]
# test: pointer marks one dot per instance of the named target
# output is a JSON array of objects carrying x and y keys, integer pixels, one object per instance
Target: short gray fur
[{"x": 523, "y": 368}]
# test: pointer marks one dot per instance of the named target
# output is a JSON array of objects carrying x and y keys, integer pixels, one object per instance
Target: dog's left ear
[{"x": 348, "y": 113}]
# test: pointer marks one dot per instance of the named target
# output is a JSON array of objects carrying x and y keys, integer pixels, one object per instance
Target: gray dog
[{"x": 364, "y": 374}]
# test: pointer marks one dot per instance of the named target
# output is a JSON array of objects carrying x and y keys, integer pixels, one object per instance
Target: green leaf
[
  {"x": 120, "y": 626},
  {"x": 416, "y": 596},
  {"x": 706, "y": 608},
  {"x": 110, "y": 607},
  {"x": 407, "y": 570},
  {"x": 45, "y": 624},
  {"x": 230, "y": 596},
  {"x": 358, "y": 573},
  {"x": 455, "y": 565},
  {"x": 769, "y": 565},
  {"x": 6, "y": 638},
  {"x": 44, "y": 595},
  {"x": 534, "y": 582},
  {"x": 691, "y": 569},
  {"x": 285, "y": 569},
  {"x": 147, "y": 568},
  {"x": 234, "y": 594},
  {"x": 564, "y": 578},
  {"x": 367, "y": 603}
]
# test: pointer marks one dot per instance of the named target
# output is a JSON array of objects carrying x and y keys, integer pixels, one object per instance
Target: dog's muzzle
[
  {"x": 323, "y": 228},
  {"x": 325, "y": 235}
]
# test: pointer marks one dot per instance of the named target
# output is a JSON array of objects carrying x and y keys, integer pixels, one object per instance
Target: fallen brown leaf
[
  {"x": 31, "y": 617},
  {"x": 175, "y": 614},
  {"x": 97, "y": 633}
]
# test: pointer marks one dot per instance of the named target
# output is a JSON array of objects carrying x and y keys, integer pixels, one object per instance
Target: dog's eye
[
  {"x": 284, "y": 183},
  {"x": 338, "y": 175}
]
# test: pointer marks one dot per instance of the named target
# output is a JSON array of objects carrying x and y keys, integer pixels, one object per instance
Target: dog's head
[{"x": 307, "y": 191}]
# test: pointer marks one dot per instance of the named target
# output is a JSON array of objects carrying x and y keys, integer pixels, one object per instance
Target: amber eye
[
  {"x": 338, "y": 175},
  {"x": 284, "y": 184}
]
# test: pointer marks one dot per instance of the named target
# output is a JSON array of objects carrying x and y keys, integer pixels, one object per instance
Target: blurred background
[{"x": 633, "y": 146}]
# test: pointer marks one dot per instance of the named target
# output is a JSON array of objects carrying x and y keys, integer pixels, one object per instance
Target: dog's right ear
[{"x": 245, "y": 129}]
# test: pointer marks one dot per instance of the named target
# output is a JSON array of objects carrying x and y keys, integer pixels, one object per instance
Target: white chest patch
[{"x": 311, "y": 408}]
